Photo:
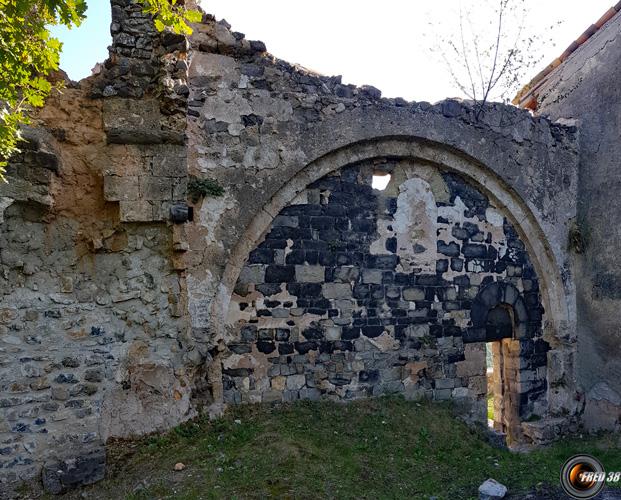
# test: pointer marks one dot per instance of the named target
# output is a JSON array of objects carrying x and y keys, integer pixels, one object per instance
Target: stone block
[
  {"x": 450, "y": 250},
  {"x": 295, "y": 382},
  {"x": 492, "y": 490},
  {"x": 285, "y": 221},
  {"x": 272, "y": 397},
  {"x": 136, "y": 211},
  {"x": 469, "y": 369},
  {"x": 337, "y": 290},
  {"x": 445, "y": 383},
  {"x": 170, "y": 162},
  {"x": 179, "y": 188},
  {"x": 346, "y": 274},
  {"x": 156, "y": 188},
  {"x": 372, "y": 276},
  {"x": 312, "y": 394},
  {"x": 475, "y": 353},
  {"x": 121, "y": 188},
  {"x": 460, "y": 392},
  {"x": 168, "y": 211},
  {"x": 332, "y": 333},
  {"x": 417, "y": 331},
  {"x": 215, "y": 66},
  {"x": 543, "y": 431},
  {"x": 61, "y": 476},
  {"x": 279, "y": 383},
  {"x": 254, "y": 274},
  {"x": 414, "y": 370},
  {"x": 413, "y": 294},
  {"x": 132, "y": 121},
  {"x": 279, "y": 274},
  {"x": 478, "y": 384},
  {"x": 291, "y": 396},
  {"x": 442, "y": 394},
  {"x": 602, "y": 409},
  {"x": 309, "y": 274}
]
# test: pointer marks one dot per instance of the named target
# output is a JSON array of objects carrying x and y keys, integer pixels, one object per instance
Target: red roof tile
[{"x": 527, "y": 96}]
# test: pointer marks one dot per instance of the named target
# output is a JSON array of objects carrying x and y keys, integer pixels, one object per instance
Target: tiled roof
[{"x": 527, "y": 97}]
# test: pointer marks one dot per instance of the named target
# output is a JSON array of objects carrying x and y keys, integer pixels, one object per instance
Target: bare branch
[{"x": 488, "y": 54}]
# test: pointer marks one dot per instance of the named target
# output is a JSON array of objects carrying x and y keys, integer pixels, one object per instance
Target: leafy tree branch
[{"x": 28, "y": 54}]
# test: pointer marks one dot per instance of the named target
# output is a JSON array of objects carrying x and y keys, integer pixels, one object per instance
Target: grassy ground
[{"x": 382, "y": 448}]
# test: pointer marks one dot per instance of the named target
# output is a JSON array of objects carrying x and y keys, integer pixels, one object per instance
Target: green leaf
[
  {"x": 194, "y": 16},
  {"x": 28, "y": 53}
]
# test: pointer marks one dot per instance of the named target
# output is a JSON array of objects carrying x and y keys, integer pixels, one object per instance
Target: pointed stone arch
[{"x": 554, "y": 296}]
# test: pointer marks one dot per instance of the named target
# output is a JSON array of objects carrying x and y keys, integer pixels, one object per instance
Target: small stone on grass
[{"x": 492, "y": 490}]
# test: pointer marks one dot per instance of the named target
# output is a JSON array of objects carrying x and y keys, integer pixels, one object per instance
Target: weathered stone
[
  {"x": 61, "y": 476},
  {"x": 372, "y": 276},
  {"x": 336, "y": 290},
  {"x": 413, "y": 294},
  {"x": 492, "y": 490},
  {"x": 295, "y": 382},
  {"x": 309, "y": 274}
]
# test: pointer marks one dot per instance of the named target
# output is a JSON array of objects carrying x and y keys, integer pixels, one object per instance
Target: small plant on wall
[
  {"x": 202, "y": 188},
  {"x": 578, "y": 237}
]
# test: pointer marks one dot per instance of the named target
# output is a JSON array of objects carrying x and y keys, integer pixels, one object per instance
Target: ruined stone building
[{"x": 195, "y": 226}]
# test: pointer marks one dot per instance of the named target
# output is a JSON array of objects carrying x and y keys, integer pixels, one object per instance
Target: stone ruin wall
[
  {"x": 356, "y": 292},
  {"x": 121, "y": 310}
]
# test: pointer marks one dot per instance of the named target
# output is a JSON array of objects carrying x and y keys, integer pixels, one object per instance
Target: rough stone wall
[
  {"x": 265, "y": 130},
  {"x": 356, "y": 292},
  {"x": 144, "y": 89},
  {"x": 91, "y": 305},
  {"x": 586, "y": 88},
  {"x": 89, "y": 319},
  {"x": 115, "y": 301}
]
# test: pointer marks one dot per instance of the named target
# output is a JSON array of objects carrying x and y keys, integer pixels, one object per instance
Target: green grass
[{"x": 380, "y": 448}]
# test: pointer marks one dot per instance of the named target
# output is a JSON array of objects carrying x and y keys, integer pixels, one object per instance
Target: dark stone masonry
[
  {"x": 194, "y": 226},
  {"x": 343, "y": 300}
]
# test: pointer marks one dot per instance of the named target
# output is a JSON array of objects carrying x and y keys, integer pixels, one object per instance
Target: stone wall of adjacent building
[
  {"x": 356, "y": 292},
  {"x": 123, "y": 288},
  {"x": 584, "y": 89}
]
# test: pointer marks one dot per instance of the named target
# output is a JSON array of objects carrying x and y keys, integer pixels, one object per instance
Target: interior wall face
[{"x": 355, "y": 292}]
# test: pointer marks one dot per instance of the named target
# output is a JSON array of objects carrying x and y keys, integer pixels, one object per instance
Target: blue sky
[
  {"x": 83, "y": 47},
  {"x": 383, "y": 44}
]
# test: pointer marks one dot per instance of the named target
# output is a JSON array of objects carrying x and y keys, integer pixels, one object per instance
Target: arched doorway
[{"x": 516, "y": 384}]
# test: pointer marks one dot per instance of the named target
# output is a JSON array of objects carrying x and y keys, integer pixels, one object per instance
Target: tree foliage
[
  {"x": 171, "y": 15},
  {"x": 489, "y": 48},
  {"x": 28, "y": 54}
]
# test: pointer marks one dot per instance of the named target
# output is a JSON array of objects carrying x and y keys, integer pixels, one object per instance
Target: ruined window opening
[{"x": 380, "y": 180}]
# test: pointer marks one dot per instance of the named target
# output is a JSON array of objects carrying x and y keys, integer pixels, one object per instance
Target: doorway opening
[
  {"x": 502, "y": 373},
  {"x": 489, "y": 374}
]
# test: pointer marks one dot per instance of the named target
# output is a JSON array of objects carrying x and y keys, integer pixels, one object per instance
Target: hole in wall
[{"x": 380, "y": 180}]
